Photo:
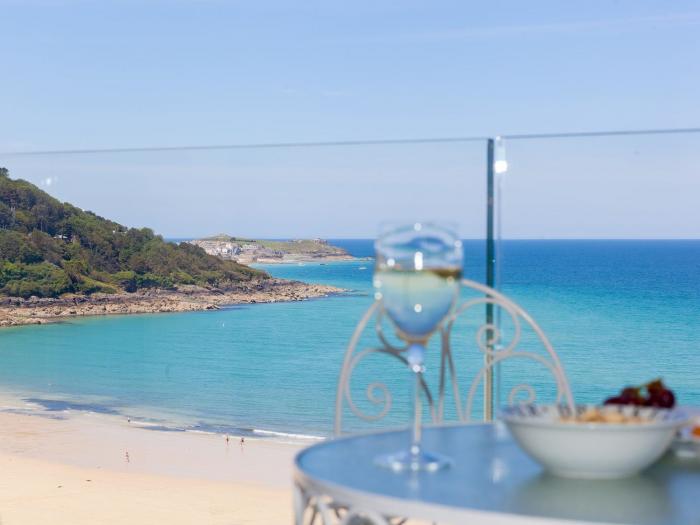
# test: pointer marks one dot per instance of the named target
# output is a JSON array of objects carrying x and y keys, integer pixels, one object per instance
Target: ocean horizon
[{"x": 618, "y": 312}]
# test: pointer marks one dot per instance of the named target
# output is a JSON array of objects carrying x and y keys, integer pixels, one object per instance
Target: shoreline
[
  {"x": 61, "y": 468},
  {"x": 85, "y": 438},
  {"x": 34, "y": 311},
  {"x": 261, "y": 263},
  {"x": 295, "y": 260},
  {"x": 56, "y": 405}
]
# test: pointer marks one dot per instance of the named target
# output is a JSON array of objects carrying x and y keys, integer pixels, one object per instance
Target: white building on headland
[{"x": 223, "y": 249}]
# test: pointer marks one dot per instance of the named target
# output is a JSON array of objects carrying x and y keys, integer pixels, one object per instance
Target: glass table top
[{"x": 490, "y": 473}]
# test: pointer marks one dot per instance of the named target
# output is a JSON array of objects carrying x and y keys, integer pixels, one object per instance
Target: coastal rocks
[
  {"x": 19, "y": 321},
  {"x": 16, "y": 312},
  {"x": 247, "y": 251}
]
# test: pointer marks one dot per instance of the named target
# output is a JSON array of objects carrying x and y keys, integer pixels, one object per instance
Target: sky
[{"x": 93, "y": 75}]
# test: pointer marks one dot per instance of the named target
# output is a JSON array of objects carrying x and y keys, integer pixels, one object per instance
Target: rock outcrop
[{"x": 16, "y": 311}]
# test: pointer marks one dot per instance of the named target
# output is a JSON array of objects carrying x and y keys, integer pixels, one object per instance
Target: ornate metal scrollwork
[
  {"x": 377, "y": 393},
  {"x": 318, "y": 509},
  {"x": 488, "y": 339}
]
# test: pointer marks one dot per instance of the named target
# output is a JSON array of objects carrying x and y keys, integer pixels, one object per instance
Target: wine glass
[{"x": 417, "y": 277}]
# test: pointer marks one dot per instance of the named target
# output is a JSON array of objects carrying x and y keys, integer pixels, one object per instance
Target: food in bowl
[
  {"x": 593, "y": 442},
  {"x": 652, "y": 394},
  {"x": 597, "y": 415}
]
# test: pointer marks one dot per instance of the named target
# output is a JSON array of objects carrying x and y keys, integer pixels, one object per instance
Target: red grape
[
  {"x": 658, "y": 396},
  {"x": 665, "y": 399},
  {"x": 615, "y": 400}
]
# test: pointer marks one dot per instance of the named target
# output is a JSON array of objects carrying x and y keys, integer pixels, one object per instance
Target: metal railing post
[{"x": 490, "y": 276}]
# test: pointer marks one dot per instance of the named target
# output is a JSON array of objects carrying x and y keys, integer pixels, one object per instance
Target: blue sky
[{"x": 120, "y": 74}]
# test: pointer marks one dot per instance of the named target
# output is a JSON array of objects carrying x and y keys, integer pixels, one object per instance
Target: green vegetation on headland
[
  {"x": 49, "y": 248},
  {"x": 296, "y": 246},
  {"x": 244, "y": 250}
]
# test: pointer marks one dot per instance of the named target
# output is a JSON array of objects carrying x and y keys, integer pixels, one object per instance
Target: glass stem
[
  {"x": 417, "y": 416},
  {"x": 415, "y": 361}
]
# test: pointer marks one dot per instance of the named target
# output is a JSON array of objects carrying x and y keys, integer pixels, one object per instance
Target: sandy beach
[{"x": 86, "y": 468}]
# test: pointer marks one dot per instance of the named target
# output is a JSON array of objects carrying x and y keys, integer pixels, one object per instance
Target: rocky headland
[
  {"x": 16, "y": 311},
  {"x": 261, "y": 251}
]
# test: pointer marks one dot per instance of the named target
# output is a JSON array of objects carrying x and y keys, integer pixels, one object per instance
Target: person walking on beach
[{"x": 242, "y": 442}]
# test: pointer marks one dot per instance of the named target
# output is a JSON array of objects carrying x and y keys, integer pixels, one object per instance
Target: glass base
[{"x": 411, "y": 461}]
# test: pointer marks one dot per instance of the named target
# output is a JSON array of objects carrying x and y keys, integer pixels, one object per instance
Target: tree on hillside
[{"x": 48, "y": 248}]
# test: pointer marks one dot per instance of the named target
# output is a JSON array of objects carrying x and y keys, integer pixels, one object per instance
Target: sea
[{"x": 618, "y": 313}]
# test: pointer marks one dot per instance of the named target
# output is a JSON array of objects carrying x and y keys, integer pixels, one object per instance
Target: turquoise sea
[{"x": 618, "y": 312}]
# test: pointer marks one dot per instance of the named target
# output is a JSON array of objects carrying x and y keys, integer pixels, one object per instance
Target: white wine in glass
[{"x": 417, "y": 277}]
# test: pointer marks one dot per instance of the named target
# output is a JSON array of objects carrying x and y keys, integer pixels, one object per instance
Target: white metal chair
[
  {"x": 318, "y": 509},
  {"x": 488, "y": 340}
]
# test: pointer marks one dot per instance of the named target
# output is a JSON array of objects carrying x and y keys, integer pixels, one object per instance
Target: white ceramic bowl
[{"x": 592, "y": 450}]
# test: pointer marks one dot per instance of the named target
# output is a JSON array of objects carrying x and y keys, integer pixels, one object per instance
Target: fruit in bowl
[
  {"x": 657, "y": 395},
  {"x": 593, "y": 442}
]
